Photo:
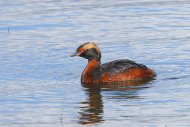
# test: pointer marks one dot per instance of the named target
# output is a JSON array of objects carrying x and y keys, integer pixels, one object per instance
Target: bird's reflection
[{"x": 91, "y": 110}]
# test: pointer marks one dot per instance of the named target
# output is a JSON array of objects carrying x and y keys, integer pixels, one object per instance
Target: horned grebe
[{"x": 114, "y": 71}]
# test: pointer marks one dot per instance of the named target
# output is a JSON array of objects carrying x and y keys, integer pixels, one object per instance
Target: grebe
[{"x": 114, "y": 71}]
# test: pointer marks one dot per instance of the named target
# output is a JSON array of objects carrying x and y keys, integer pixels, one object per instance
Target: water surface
[{"x": 40, "y": 83}]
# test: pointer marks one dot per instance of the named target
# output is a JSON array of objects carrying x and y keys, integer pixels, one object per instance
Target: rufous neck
[{"x": 91, "y": 66}]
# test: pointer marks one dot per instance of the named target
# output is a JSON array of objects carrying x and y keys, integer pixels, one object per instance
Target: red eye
[{"x": 81, "y": 51}]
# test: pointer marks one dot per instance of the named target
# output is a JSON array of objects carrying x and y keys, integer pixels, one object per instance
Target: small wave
[{"x": 176, "y": 77}]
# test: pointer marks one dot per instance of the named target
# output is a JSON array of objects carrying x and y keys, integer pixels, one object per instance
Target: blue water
[{"x": 40, "y": 83}]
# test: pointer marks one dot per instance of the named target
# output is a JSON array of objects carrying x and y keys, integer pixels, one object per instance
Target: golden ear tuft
[{"x": 89, "y": 45}]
